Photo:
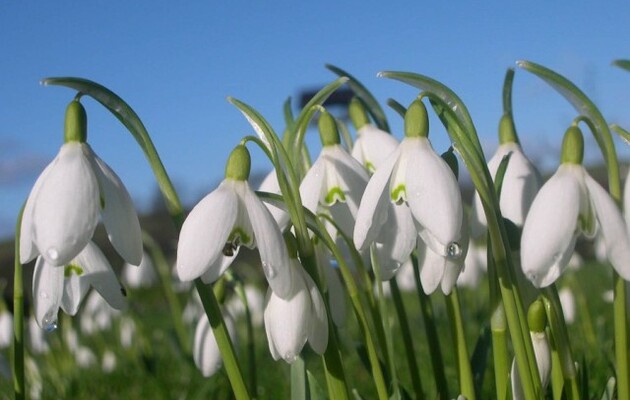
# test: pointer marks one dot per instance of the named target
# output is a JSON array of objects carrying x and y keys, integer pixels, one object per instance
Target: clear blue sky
[{"x": 176, "y": 63}]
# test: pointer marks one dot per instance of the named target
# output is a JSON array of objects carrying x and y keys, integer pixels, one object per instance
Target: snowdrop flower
[
  {"x": 206, "y": 351},
  {"x": 84, "y": 357},
  {"x": 65, "y": 287},
  {"x": 567, "y": 300},
  {"x": 521, "y": 182},
  {"x": 6, "y": 328},
  {"x": 569, "y": 204},
  {"x": 140, "y": 276},
  {"x": 335, "y": 181},
  {"x": 127, "y": 331},
  {"x": 108, "y": 362},
  {"x": 405, "y": 277},
  {"x": 542, "y": 350},
  {"x": 290, "y": 322},
  {"x": 372, "y": 146},
  {"x": 475, "y": 265},
  {"x": 97, "y": 314},
  {"x": 414, "y": 177},
  {"x": 227, "y": 218},
  {"x": 64, "y": 205}
]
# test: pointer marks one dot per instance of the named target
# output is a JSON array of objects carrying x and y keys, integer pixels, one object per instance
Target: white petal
[
  {"x": 218, "y": 267},
  {"x": 28, "y": 250},
  {"x": 431, "y": 267},
  {"x": 432, "y": 191},
  {"x": 613, "y": 227},
  {"x": 74, "y": 289},
  {"x": 312, "y": 185},
  {"x": 65, "y": 210},
  {"x": 372, "y": 212},
  {"x": 318, "y": 335},
  {"x": 550, "y": 229},
  {"x": 99, "y": 273},
  {"x": 47, "y": 293},
  {"x": 271, "y": 246},
  {"x": 270, "y": 184},
  {"x": 205, "y": 232},
  {"x": 206, "y": 351},
  {"x": 626, "y": 198},
  {"x": 143, "y": 275},
  {"x": 287, "y": 322},
  {"x": 373, "y": 146},
  {"x": 119, "y": 215}
]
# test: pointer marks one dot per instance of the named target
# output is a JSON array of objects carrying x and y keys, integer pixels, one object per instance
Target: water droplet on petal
[
  {"x": 50, "y": 321},
  {"x": 43, "y": 295},
  {"x": 290, "y": 357},
  {"x": 53, "y": 254},
  {"x": 270, "y": 271},
  {"x": 453, "y": 250}
]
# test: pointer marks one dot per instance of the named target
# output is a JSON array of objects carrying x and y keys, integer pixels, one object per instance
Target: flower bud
[
  {"x": 238, "y": 164},
  {"x": 536, "y": 317},
  {"x": 76, "y": 123},
  {"x": 572, "y": 146},
  {"x": 506, "y": 130},
  {"x": 416, "y": 120},
  {"x": 328, "y": 131},
  {"x": 357, "y": 113}
]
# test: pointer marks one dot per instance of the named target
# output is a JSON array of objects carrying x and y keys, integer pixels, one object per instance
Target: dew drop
[
  {"x": 269, "y": 270},
  {"x": 50, "y": 321},
  {"x": 290, "y": 357},
  {"x": 53, "y": 254},
  {"x": 453, "y": 250},
  {"x": 43, "y": 295}
]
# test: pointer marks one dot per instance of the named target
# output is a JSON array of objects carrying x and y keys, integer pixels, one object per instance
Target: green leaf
[
  {"x": 609, "y": 390},
  {"x": 370, "y": 102},
  {"x": 317, "y": 392},
  {"x": 479, "y": 359},
  {"x": 498, "y": 178},
  {"x": 624, "y": 64},
  {"x": 396, "y": 106},
  {"x": 624, "y": 134},
  {"x": 507, "y": 91}
]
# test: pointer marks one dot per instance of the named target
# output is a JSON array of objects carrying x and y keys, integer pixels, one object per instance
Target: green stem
[
  {"x": 19, "y": 384},
  {"x": 561, "y": 341},
  {"x": 464, "y": 371},
  {"x": 222, "y": 337},
  {"x": 621, "y": 337},
  {"x": 557, "y": 378},
  {"x": 251, "y": 349},
  {"x": 163, "y": 270},
  {"x": 437, "y": 362},
  {"x": 299, "y": 387},
  {"x": 407, "y": 340},
  {"x": 500, "y": 353}
]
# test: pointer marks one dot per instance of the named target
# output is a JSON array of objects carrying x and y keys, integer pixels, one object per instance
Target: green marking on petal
[
  {"x": 334, "y": 195},
  {"x": 72, "y": 269},
  {"x": 399, "y": 194},
  {"x": 370, "y": 167},
  {"x": 238, "y": 236}
]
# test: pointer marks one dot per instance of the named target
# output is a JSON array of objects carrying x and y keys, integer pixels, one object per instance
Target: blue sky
[{"x": 175, "y": 64}]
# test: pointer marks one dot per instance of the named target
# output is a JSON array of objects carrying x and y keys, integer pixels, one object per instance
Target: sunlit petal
[
  {"x": 206, "y": 353},
  {"x": 312, "y": 185},
  {"x": 119, "y": 215},
  {"x": 432, "y": 191},
  {"x": 318, "y": 333},
  {"x": 99, "y": 273},
  {"x": 205, "y": 232},
  {"x": 28, "y": 250},
  {"x": 47, "y": 293},
  {"x": 613, "y": 227},
  {"x": 65, "y": 210},
  {"x": 271, "y": 246},
  {"x": 431, "y": 267},
  {"x": 550, "y": 229},
  {"x": 373, "y": 146}
]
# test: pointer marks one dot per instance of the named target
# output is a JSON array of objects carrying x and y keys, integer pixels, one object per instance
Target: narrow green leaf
[
  {"x": 316, "y": 390},
  {"x": 396, "y": 106},
  {"x": 624, "y": 134},
  {"x": 609, "y": 390},
  {"x": 624, "y": 64},
  {"x": 299, "y": 390},
  {"x": 479, "y": 359},
  {"x": 370, "y": 102},
  {"x": 507, "y": 91},
  {"x": 498, "y": 178}
]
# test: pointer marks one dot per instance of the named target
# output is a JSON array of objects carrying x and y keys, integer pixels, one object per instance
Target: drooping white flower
[
  {"x": 415, "y": 178},
  {"x": 108, "y": 361},
  {"x": 373, "y": 146},
  {"x": 231, "y": 216},
  {"x": 289, "y": 323},
  {"x": 567, "y": 300},
  {"x": 569, "y": 204},
  {"x": 521, "y": 182},
  {"x": 64, "y": 205},
  {"x": 206, "y": 351},
  {"x": 65, "y": 287},
  {"x": 143, "y": 275},
  {"x": 336, "y": 181}
]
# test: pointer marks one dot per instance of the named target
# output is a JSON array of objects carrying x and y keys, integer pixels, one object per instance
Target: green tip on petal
[
  {"x": 358, "y": 114},
  {"x": 573, "y": 146},
  {"x": 536, "y": 317},
  {"x": 291, "y": 242},
  {"x": 239, "y": 164},
  {"x": 328, "y": 129},
  {"x": 416, "y": 120},
  {"x": 506, "y": 130},
  {"x": 76, "y": 123}
]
